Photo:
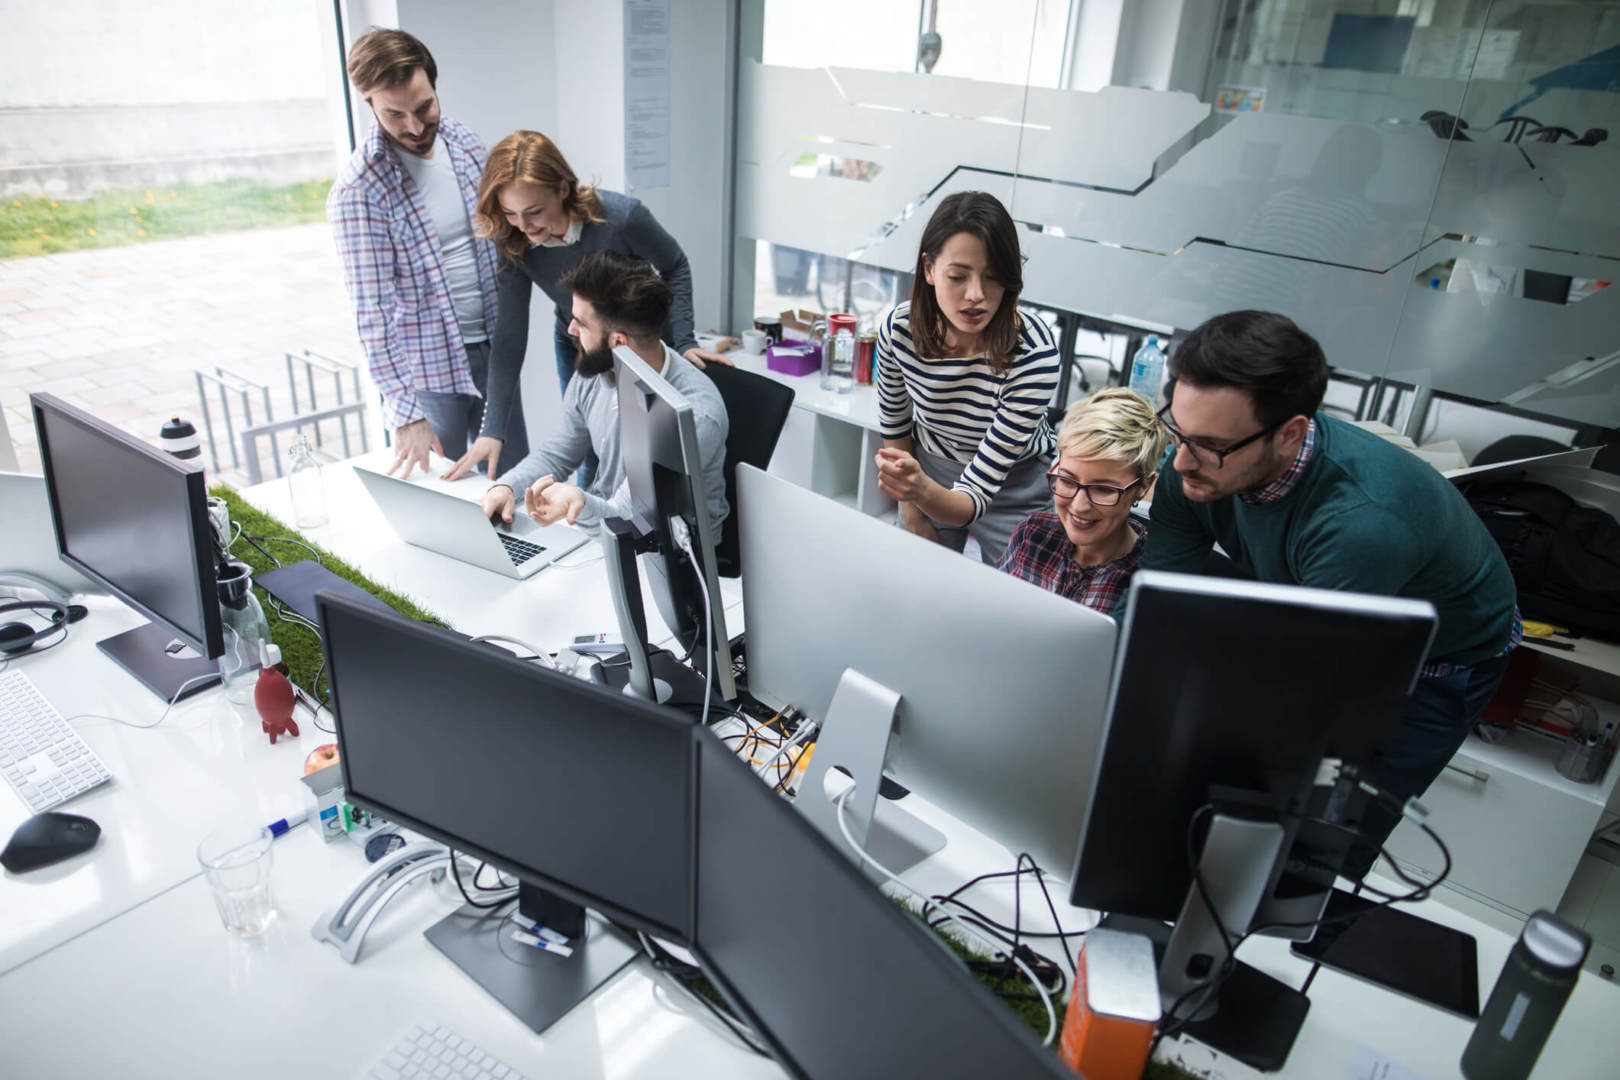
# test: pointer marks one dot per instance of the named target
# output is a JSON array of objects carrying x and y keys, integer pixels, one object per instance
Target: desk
[
  {"x": 117, "y": 963},
  {"x": 830, "y": 440}
]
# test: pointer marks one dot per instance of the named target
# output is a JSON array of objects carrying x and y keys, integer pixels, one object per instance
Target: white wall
[{"x": 695, "y": 207}]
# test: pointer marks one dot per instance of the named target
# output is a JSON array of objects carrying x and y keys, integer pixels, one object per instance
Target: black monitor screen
[
  {"x": 133, "y": 518},
  {"x": 574, "y": 788},
  {"x": 836, "y": 978},
  {"x": 1236, "y": 685}
]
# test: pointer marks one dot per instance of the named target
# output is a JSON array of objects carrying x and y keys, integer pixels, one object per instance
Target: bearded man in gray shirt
[{"x": 617, "y": 300}]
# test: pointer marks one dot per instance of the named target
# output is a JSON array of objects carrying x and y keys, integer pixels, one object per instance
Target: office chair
[{"x": 756, "y": 408}]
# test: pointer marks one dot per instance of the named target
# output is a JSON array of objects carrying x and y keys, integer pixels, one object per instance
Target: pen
[
  {"x": 283, "y": 825},
  {"x": 523, "y": 937}
]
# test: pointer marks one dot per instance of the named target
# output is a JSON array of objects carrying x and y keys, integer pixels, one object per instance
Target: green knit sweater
[{"x": 1365, "y": 516}]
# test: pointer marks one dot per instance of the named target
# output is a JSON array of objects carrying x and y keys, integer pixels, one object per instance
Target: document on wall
[{"x": 646, "y": 93}]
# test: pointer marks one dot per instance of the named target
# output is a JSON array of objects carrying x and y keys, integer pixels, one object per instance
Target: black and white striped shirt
[{"x": 960, "y": 409}]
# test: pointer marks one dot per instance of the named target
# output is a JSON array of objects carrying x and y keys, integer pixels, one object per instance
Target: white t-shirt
[{"x": 435, "y": 178}]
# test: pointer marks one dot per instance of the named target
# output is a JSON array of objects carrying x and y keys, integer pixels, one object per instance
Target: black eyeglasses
[
  {"x": 1066, "y": 487},
  {"x": 1208, "y": 455}
]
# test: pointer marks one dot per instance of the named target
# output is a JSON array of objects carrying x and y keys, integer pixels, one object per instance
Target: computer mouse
[{"x": 48, "y": 838}]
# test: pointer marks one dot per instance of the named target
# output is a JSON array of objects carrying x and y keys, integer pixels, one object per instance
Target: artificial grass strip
[{"x": 300, "y": 648}]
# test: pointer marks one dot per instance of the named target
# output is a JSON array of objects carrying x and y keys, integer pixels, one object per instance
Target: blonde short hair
[{"x": 1114, "y": 424}]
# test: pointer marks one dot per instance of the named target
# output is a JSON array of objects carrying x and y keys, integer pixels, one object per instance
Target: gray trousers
[
  {"x": 457, "y": 418},
  {"x": 1023, "y": 492}
]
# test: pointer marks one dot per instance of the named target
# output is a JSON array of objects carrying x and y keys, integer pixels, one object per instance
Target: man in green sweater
[{"x": 1300, "y": 498}]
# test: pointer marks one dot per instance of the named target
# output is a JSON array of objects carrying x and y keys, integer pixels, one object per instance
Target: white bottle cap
[{"x": 269, "y": 654}]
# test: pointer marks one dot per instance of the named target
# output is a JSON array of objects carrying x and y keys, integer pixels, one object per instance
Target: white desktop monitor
[
  {"x": 1001, "y": 685},
  {"x": 663, "y": 465}
]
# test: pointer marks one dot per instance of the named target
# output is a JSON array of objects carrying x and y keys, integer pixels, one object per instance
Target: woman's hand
[
  {"x": 900, "y": 477},
  {"x": 485, "y": 447},
  {"x": 917, "y": 522},
  {"x": 701, "y": 358}
]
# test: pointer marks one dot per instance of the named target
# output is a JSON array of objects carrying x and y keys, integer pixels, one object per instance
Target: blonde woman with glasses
[{"x": 1087, "y": 546}]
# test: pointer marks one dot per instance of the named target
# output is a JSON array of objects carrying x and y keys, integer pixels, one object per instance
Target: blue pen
[{"x": 281, "y": 826}]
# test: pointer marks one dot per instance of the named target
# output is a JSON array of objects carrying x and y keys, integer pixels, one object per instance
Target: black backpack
[{"x": 1565, "y": 558}]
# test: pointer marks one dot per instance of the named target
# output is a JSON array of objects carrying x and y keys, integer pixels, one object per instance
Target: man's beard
[{"x": 593, "y": 363}]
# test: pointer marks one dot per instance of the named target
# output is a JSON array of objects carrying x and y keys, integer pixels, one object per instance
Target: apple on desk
[{"x": 320, "y": 757}]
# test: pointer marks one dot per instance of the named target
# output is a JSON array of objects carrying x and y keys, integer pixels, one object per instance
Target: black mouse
[{"x": 48, "y": 838}]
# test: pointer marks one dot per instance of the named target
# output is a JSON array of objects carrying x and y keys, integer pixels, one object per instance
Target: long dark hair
[{"x": 980, "y": 214}]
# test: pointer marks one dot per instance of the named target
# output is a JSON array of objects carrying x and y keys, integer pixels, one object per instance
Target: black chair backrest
[{"x": 756, "y": 408}]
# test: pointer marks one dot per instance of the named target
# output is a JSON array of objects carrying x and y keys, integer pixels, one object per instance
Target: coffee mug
[{"x": 754, "y": 341}]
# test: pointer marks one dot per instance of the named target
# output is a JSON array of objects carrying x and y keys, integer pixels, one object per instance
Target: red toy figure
[{"x": 273, "y": 695}]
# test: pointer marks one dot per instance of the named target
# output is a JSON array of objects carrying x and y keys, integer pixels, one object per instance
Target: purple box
[{"x": 794, "y": 357}]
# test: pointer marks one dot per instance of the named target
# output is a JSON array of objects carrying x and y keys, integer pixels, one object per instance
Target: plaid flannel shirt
[
  {"x": 1041, "y": 553},
  {"x": 393, "y": 267}
]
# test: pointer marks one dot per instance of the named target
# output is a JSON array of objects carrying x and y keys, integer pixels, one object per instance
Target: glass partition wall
[{"x": 1424, "y": 185}]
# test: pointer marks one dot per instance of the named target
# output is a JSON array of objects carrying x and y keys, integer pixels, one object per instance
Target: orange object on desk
[{"x": 1113, "y": 1007}]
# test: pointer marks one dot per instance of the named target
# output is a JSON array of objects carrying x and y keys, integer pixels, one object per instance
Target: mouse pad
[{"x": 296, "y": 584}]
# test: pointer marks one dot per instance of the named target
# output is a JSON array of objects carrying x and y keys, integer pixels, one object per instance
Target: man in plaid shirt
[{"x": 422, "y": 284}]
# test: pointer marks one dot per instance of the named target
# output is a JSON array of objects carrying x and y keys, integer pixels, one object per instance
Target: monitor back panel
[
  {"x": 836, "y": 978},
  {"x": 1240, "y": 684},
  {"x": 577, "y": 788},
  {"x": 1002, "y": 684}
]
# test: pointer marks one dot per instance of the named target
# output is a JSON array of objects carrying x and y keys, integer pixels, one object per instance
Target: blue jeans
[
  {"x": 457, "y": 418},
  {"x": 1439, "y": 714},
  {"x": 567, "y": 352}
]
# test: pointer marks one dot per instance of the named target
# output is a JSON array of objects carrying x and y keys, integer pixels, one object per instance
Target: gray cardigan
[{"x": 627, "y": 227}]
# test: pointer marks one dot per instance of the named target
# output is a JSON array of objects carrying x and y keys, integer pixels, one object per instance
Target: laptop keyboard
[{"x": 518, "y": 550}]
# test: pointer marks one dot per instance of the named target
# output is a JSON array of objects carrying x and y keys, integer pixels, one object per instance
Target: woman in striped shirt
[{"x": 964, "y": 381}]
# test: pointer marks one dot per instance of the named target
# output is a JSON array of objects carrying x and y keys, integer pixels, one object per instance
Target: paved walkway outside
[{"x": 119, "y": 331}]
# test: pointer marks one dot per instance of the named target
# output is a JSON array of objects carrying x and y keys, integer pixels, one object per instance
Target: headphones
[{"x": 18, "y": 638}]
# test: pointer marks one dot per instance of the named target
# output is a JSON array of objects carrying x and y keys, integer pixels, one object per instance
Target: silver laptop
[
  {"x": 28, "y": 552},
  {"x": 456, "y": 527}
]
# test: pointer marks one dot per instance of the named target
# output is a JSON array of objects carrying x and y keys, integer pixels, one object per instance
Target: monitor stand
[
  {"x": 160, "y": 661},
  {"x": 854, "y": 740},
  {"x": 1252, "y": 1016},
  {"x": 536, "y": 986}
]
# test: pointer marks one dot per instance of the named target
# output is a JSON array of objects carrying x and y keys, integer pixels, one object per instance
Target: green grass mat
[{"x": 300, "y": 648}]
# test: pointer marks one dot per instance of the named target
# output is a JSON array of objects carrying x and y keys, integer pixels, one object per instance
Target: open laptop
[
  {"x": 28, "y": 551},
  {"x": 457, "y": 527}
]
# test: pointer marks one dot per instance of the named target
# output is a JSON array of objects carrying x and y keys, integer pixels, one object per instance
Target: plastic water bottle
[
  {"x": 1147, "y": 370},
  {"x": 839, "y": 372}
]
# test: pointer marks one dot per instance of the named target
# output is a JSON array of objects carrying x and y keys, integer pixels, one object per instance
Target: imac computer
[
  {"x": 585, "y": 794},
  {"x": 982, "y": 692},
  {"x": 135, "y": 520},
  {"x": 659, "y": 448},
  {"x": 831, "y": 974},
  {"x": 1228, "y": 698}
]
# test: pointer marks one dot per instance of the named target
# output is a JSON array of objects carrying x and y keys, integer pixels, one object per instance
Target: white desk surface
[
  {"x": 858, "y": 407},
  {"x": 116, "y": 962}
]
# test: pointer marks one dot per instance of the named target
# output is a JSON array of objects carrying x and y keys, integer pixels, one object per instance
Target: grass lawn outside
[{"x": 38, "y": 225}]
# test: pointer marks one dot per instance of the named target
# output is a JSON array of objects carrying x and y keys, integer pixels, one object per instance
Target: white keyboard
[
  {"x": 41, "y": 757},
  {"x": 431, "y": 1050}
]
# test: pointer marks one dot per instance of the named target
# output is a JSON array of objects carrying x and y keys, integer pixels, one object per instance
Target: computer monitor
[
  {"x": 584, "y": 793},
  {"x": 999, "y": 684},
  {"x": 1228, "y": 696},
  {"x": 835, "y": 978},
  {"x": 659, "y": 448},
  {"x": 135, "y": 520}
]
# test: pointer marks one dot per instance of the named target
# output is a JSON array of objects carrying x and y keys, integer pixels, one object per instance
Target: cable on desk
[
  {"x": 683, "y": 540},
  {"x": 682, "y": 973},
  {"x": 927, "y": 902},
  {"x": 179, "y": 690},
  {"x": 455, "y": 872},
  {"x": 540, "y": 656},
  {"x": 278, "y": 540}
]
